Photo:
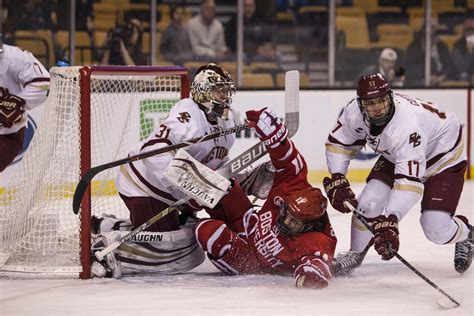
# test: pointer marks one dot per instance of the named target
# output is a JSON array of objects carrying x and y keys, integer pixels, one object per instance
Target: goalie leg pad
[
  {"x": 170, "y": 252},
  {"x": 195, "y": 180}
]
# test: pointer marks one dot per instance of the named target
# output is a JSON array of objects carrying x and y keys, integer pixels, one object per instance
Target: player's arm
[
  {"x": 285, "y": 158},
  {"x": 34, "y": 79},
  {"x": 342, "y": 145}
]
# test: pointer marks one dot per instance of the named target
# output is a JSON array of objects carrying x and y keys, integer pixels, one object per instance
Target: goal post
[{"x": 93, "y": 115}]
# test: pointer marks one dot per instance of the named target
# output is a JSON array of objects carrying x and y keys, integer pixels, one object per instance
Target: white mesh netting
[{"x": 38, "y": 230}]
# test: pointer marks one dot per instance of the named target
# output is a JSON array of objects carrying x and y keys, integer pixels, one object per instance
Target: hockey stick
[
  {"x": 292, "y": 120},
  {"x": 91, "y": 173},
  {"x": 441, "y": 302},
  {"x": 100, "y": 255}
]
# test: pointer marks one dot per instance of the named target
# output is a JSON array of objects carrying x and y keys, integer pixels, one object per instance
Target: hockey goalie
[{"x": 169, "y": 246}]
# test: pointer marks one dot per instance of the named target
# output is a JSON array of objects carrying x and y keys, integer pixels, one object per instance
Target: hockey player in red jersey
[
  {"x": 421, "y": 157},
  {"x": 290, "y": 234}
]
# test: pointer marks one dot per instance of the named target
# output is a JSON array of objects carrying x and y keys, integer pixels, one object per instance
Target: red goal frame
[{"x": 85, "y": 74}]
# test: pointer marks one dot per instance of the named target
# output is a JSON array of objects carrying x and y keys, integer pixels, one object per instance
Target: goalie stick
[
  {"x": 90, "y": 174},
  {"x": 447, "y": 302},
  {"x": 257, "y": 151}
]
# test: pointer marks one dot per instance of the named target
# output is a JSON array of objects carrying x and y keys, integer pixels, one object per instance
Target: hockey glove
[
  {"x": 12, "y": 108},
  {"x": 312, "y": 273},
  {"x": 268, "y": 126},
  {"x": 338, "y": 190},
  {"x": 385, "y": 230}
]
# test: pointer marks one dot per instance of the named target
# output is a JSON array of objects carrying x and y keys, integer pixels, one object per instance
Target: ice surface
[{"x": 376, "y": 288}]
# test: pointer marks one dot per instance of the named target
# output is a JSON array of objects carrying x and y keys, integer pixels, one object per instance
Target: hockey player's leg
[
  {"x": 143, "y": 208},
  {"x": 440, "y": 200},
  {"x": 442, "y": 228},
  {"x": 228, "y": 251},
  {"x": 371, "y": 200}
]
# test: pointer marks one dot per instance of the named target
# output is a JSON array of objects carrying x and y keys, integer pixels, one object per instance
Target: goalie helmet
[
  {"x": 301, "y": 211},
  {"x": 213, "y": 89},
  {"x": 375, "y": 100}
]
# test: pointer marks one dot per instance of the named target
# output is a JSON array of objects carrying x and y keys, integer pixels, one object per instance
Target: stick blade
[
  {"x": 78, "y": 194},
  {"x": 292, "y": 101},
  {"x": 446, "y": 303}
]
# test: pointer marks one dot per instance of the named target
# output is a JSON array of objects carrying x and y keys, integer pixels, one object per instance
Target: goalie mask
[
  {"x": 375, "y": 100},
  {"x": 212, "y": 89},
  {"x": 301, "y": 211}
]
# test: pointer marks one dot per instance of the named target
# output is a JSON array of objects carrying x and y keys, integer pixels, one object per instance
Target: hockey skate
[
  {"x": 347, "y": 261},
  {"x": 463, "y": 252}
]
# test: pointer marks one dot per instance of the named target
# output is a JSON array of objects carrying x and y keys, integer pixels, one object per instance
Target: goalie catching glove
[
  {"x": 269, "y": 127},
  {"x": 12, "y": 108}
]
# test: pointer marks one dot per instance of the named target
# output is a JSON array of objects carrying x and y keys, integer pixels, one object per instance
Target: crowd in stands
[{"x": 275, "y": 34}]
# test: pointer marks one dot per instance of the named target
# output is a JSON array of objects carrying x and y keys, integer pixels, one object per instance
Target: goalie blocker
[{"x": 195, "y": 180}]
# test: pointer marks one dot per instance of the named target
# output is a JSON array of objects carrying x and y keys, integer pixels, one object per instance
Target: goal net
[{"x": 93, "y": 115}]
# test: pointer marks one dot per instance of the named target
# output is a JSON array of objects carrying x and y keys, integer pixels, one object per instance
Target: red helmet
[
  {"x": 301, "y": 210},
  {"x": 374, "y": 92}
]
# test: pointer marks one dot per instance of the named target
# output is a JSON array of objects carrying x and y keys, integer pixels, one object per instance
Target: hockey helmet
[
  {"x": 213, "y": 89},
  {"x": 301, "y": 210},
  {"x": 375, "y": 100}
]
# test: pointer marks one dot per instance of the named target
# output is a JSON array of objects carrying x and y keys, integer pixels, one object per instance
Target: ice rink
[{"x": 376, "y": 288}]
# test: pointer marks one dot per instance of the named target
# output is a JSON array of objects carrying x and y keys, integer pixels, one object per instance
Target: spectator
[
  {"x": 32, "y": 14},
  {"x": 207, "y": 34},
  {"x": 123, "y": 46},
  {"x": 175, "y": 44},
  {"x": 463, "y": 52},
  {"x": 442, "y": 66},
  {"x": 84, "y": 22},
  {"x": 387, "y": 67},
  {"x": 84, "y": 15},
  {"x": 258, "y": 41}
]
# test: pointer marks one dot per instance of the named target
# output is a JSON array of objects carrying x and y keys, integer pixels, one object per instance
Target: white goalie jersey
[
  {"x": 185, "y": 121},
  {"x": 421, "y": 140}
]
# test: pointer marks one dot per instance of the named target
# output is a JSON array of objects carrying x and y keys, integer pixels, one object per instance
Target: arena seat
[
  {"x": 261, "y": 81},
  {"x": 355, "y": 29},
  {"x": 394, "y": 35}
]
